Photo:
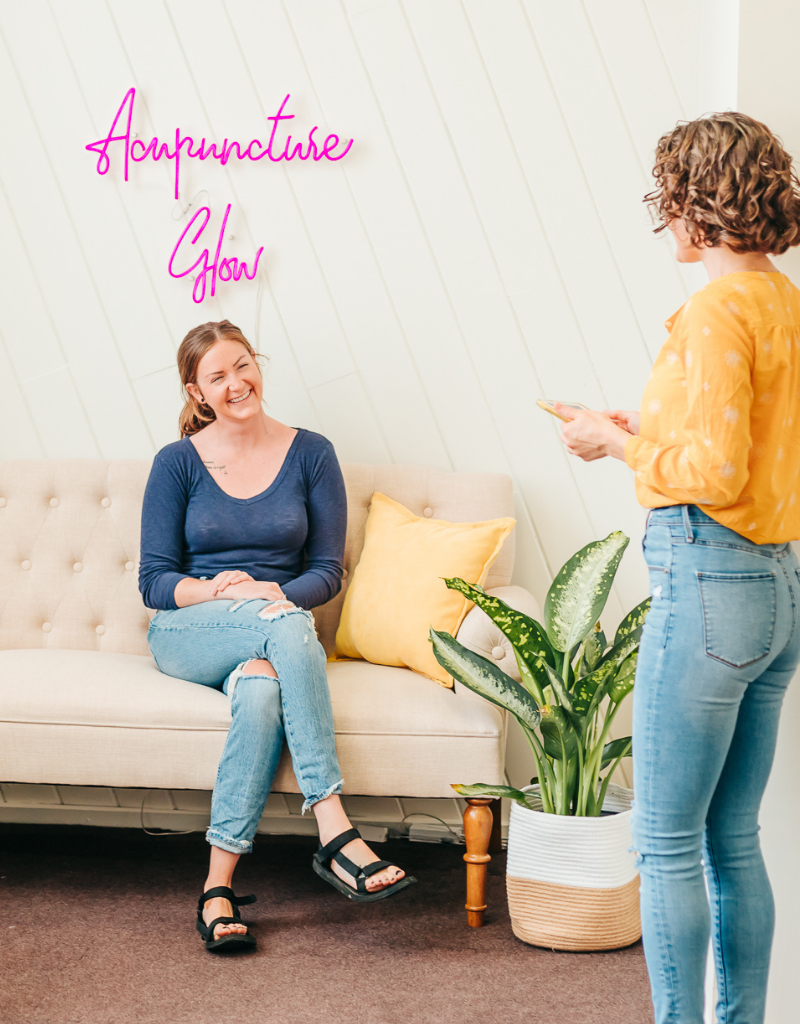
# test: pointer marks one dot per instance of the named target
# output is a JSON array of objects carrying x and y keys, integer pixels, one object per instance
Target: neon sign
[
  {"x": 136, "y": 151},
  {"x": 226, "y": 269}
]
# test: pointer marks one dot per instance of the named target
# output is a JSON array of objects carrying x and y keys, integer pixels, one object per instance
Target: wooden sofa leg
[
  {"x": 478, "y": 820},
  {"x": 496, "y": 840}
]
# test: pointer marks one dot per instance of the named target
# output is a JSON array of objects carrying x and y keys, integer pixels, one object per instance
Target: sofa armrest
[{"x": 479, "y": 634}]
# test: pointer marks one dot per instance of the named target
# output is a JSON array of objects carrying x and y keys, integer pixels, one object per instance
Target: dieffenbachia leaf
[
  {"x": 633, "y": 619},
  {"x": 559, "y": 689},
  {"x": 580, "y": 590},
  {"x": 485, "y": 678},
  {"x": 625, "y": 678},
  {"x": 527, "y": 636},
  {"x": 481, "y": 789},
  {"x": 558, "y": 733},
  {"x": 593, "y": 647},
  {"x": 620, "y": 651},
  {"x": 623, "y": 747},
  {"x": 584, "y": 689}
]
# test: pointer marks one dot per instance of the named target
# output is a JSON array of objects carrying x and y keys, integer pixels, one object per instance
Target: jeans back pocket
[{"x": 739, "y": 611}]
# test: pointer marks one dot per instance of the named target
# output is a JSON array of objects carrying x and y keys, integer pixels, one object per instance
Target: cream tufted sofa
[{"x": 83, "y": 704}]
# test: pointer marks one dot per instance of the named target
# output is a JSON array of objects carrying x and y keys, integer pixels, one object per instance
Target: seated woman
[{"x": 243, "y": 529}]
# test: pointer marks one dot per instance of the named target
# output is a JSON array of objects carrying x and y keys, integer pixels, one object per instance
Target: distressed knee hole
[
  {"x": 259, "y": 667},
  {"x": 277, "y": 609}
]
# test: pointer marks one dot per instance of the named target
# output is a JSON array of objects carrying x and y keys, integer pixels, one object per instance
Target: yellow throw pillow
[{"x": 397, "y": 592}]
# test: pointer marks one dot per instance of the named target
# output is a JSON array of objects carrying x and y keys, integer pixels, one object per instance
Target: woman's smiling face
[{"x": 228, "y": 381}]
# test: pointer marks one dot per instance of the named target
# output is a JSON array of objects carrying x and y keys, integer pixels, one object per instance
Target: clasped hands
[
  {"x": 239, "y": 585},
  {"x": 592, "y": 435}
]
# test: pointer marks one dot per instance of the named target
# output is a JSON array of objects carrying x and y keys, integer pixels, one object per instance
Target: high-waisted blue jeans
[
  {"x": 720, "y": 645},
  {"x": 211, "y": 643}
]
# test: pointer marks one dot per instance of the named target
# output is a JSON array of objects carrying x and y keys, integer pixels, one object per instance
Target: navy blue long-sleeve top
[{"x": 291, "y": 534}]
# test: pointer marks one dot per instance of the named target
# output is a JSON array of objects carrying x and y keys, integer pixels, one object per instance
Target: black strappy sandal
[
  {"x": 224, "y": 943},
  {"x": 324, "y": 856}
]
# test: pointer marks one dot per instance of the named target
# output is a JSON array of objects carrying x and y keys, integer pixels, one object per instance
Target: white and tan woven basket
[{"x": 572, "y": 882}]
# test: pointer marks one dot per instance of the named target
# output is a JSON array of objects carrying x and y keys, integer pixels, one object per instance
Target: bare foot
[
  {"x": 218, "y": 907},
  {"x": 359, "y": 853}
]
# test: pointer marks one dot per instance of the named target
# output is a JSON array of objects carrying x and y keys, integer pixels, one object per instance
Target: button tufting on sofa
[
  {"x": 25, "y": 565},
  {"x": 105, "y": 502},
  {"x": 2, "y": 502},
  {"x": 129, "y": 566},
  {"x": 427, "y": 512},
  {"x": 78, "y": 567},
  {"x": 99, "y": 630},
  {"x": 54, "y": 503},
  {"x": 46, "y": 627},
  {"x": 498, "y": 653}
]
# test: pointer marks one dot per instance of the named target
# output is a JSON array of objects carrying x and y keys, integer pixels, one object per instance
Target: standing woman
[
  {"x": 716, "y": 457},
  {"x": 243, "y": 528}
]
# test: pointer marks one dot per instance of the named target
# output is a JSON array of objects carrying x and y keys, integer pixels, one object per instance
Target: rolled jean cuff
[
  {"x": 227, "y": 843},
  {"x": 335, "y": 789}
]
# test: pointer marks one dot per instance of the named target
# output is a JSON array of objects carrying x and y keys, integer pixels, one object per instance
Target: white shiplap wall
[{"x": 483, "y": 245}]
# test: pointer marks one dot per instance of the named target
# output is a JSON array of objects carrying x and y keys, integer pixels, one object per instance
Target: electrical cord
[
  {"x": 163, "y": 832},
  {"x": 424, "y": 814}
]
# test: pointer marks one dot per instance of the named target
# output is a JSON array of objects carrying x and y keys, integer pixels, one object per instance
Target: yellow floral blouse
[{"x": 720, "y": 415}]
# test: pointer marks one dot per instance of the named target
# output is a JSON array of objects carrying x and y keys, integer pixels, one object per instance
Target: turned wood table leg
[
  {"x": 496, "y": 840},
  {"x": 478, "y": 820}
]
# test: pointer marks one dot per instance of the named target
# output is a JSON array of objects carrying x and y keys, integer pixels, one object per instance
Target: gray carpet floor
[{"x": 97, "y": 928}]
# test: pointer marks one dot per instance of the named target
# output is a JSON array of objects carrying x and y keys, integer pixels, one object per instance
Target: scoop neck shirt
[{"x": 292, "y": 533}]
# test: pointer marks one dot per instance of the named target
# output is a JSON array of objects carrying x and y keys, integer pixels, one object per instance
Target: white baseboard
[{"x": 378, "y": 818}]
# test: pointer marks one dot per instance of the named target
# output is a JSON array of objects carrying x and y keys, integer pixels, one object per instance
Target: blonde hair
[
  {"x": 195, "y": 415},
  {"x": 731, "y": 182}
]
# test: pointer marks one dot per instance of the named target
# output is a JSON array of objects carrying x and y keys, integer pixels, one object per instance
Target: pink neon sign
[
  {"x": 156, "y": 150},
  {"x": 220, "y": 269},
  {"x": 226, "y": 269}
]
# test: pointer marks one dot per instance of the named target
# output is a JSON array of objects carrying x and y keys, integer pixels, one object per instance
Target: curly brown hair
[
  {"x": 196, "y": 415},
  {"x": 731, "y": 181}
]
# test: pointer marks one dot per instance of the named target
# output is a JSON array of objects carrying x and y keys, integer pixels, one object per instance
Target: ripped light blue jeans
[
  {"x": 211, "y": 644},
  {"x": 720, "y": 644}
]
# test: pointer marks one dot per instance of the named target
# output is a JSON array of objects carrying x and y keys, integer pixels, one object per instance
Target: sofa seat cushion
[{"x": 94, "y": 718}]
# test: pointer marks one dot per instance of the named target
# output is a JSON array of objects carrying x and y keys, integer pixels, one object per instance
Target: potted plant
[{"x": 571, "y": 877}]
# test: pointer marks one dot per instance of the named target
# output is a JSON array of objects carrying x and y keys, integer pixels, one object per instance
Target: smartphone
[{"x": 547, "y": 405}]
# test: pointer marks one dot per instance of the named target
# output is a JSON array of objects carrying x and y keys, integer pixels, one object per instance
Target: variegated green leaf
[
  {"x": 584, "y": 689},
  {"x": 620, "y": 651},
  {"x": 580, "y": 590},
  {"x": 527, "y": 636},
  {"x": 607, "y": 672},
  {"x": 496, "y": 792},
  {"x": 485, "y": 678},
  {"x": 593, "y": 648},
  {"x": 633, "y": 619},
  {"x": 626, "y": 676},
  {"x": 560, "y": 691},
  {"x": 623, "y": 747},
  {"x": 557, "y": 730}
]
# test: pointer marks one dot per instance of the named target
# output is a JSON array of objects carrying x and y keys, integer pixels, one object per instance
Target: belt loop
[{"x": 687, "y": 524}]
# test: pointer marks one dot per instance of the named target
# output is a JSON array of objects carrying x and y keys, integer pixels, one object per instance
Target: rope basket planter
[{"x": 572, "y": 882}]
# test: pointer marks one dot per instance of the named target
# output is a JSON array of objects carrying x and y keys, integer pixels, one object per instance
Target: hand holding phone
[{"x": 548, "y": 405}]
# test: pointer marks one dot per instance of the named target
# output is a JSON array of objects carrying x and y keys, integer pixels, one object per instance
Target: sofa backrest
[{"x": 69, "y": 544}]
